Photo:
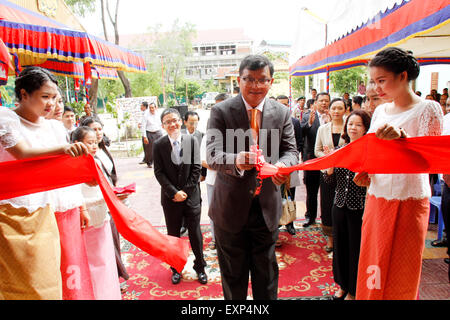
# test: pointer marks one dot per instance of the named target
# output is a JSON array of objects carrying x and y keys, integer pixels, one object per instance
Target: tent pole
[
  {"x": 306, "y": 86},
  {"x": 67, "y": 91},
  {"x": 328, "y": 79},
  {"x": 290, "y": 92}
]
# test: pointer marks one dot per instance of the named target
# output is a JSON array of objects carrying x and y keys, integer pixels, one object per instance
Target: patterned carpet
[{"x": 305, "y": 271}]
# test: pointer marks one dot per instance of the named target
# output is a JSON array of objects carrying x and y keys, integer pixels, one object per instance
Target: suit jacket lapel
[
  {"x": 183, "y": 147},
  {"x": 239, "y": 113},
  {"x": 266, "y": 124},
  {"x": 317, "y": 120}
]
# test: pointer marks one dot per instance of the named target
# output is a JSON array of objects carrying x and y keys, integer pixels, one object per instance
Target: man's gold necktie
[{"x": 254, "y": 125}]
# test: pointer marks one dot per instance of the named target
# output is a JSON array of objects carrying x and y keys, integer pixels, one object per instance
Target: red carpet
[{"x": 305, "y": 271}]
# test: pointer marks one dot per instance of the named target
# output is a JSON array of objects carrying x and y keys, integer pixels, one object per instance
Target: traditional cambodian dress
[
  {"x": 396, "y": 214},
  {"x": 29, "y": 238}
]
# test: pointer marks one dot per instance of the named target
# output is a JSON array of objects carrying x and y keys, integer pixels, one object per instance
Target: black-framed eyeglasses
[
  {"x": 252, "y": 81},
  {"x": 169, "y": 122}
]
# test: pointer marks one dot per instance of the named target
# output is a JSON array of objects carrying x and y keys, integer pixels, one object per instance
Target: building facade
[{"x": 217, "y": 50}]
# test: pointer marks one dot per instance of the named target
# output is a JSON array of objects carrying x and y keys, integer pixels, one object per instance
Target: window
[
  {"x": 227, "y": 50},
  {"x": 208, "y": 51}
]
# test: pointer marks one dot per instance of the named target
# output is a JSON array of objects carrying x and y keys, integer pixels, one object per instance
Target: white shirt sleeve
[
  {"x": 10, "y": 132},
  {"x": 144, "y": 124}
]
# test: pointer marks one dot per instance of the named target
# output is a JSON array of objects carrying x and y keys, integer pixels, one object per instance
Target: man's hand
[
  {"x": 146, "y": 140},
  {"x": 246, "y": 160},
  {"x": 180, "y": 196},
  {"x": 312, "y": 117},
  {"x": 280, "y": 179}
]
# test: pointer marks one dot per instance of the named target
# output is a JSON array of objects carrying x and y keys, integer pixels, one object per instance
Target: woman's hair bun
[{"x": 397, "y": 60}]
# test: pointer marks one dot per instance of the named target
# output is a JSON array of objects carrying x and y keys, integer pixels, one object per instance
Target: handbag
[{"x": 289, "y": 213}]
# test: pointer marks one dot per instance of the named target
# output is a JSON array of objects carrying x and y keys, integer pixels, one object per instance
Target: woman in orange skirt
[{"x": 395, "y": 219}]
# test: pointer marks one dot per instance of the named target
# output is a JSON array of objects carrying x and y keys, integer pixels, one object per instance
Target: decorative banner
[
  {"x": 5, "y": 57},
  {"x": 77, "y": 85},
  {"x": 3, "y": 74},
  {"x": 61, "y": 171},
  {"x": 87, "y": 73},
  {"x": 18, "y": 67}
]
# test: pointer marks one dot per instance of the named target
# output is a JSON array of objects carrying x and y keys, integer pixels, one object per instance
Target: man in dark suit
[
  {"x": 177, "y": 169},
  {"x": 310, "y": 124},
  {"x": 245, "y": 218},
  {"x": 191, "y": 119}
]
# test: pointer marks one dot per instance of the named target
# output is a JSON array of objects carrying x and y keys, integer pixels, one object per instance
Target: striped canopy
[
  {"x": 38, "y": 40},
  {"x": 420, "y": 26}
]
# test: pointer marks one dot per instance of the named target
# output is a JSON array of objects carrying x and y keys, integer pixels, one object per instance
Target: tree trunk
[
  {"x": 126, "y": 84},
  {"x": 102, "y": 2}
]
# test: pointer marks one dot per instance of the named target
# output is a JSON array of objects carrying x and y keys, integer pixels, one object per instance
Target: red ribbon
[
  {"x": 372, "y": 155},
  {"x": 23, "y": 177},
  {"x": 368, "y": 154}
]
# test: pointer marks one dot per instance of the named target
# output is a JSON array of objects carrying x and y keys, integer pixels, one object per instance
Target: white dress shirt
[
  {"x": 259, "y": 107},
  {"x": 150, "y": 122}
]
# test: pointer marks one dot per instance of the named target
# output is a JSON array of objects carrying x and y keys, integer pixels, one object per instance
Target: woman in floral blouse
[{"x": 347, "y": 213}]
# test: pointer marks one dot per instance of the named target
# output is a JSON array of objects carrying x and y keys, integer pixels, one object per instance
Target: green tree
[
  {"x": 298, "y": 85},
  {"x": 193, "y": 88},
  {"x": 81, "y": 7},
  {"x": 347, "y": 80},
  {"x": 171, "y": 50},
  {"x": 145, "y": 84},
  {"x": 210, "y": 86}
]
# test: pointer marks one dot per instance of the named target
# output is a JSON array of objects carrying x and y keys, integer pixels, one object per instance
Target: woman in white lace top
[
  {"x": 397, "y": 207},
  {"x": 30, "y": 243}
]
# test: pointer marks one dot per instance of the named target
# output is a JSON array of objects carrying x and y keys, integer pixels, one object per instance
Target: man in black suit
[
  {"x": 191, "y": 119},
  {"x": 246, "y": 220},
  {"x": 177, "y": 169},
  {"x": 310, "y": 124}
]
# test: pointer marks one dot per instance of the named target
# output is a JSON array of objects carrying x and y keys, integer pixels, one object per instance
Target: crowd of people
[{"x": 375, "y": 225}]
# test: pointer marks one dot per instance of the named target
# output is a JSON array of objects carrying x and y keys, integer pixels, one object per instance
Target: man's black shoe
[
  {"x": 176, "y": 278},
  {"x": 439, "y": 243},
  {"x": 202, "y": 277},
  {"x": 290, "y": 228},
  {"x": 309, "y": 223}
]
